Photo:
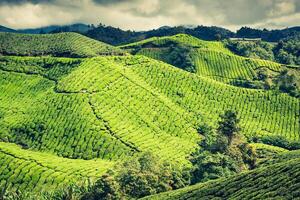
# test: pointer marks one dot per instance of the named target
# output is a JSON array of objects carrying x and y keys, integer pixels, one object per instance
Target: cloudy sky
[{"x": 148, "y": 14}]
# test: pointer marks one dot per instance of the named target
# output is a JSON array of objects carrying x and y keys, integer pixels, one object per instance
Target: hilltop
[{"x": 59, "y": 45}]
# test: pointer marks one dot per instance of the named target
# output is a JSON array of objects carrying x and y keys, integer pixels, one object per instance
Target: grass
[{"x": 59, "y": 45}]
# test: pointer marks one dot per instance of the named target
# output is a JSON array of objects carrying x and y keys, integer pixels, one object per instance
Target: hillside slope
[
  {"x": 111, "y": 107},
  {"x": 60, "y": 45},
  {"x": 35, "y": 171},
  {"x": 277, "y": 181},
  {"x": 208, "y": 59}
]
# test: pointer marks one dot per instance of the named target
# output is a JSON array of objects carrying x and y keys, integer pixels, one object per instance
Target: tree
[
  {"x": 208, "y": 165},
  {"x": 229, "y": 125},
  {"x": 147, "y": 175},
  {"x": 106, "y": 188}
]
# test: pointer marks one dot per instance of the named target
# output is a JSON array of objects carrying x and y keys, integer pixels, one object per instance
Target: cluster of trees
[
  {"x": 181, "y": 56},
  {"x": 117, "y": 36},
  {"x": 222, "y": 152},
  {"x": 286, "y": 51},
  {"x": 286, "y": 81},
  {"x": 267, "y": 35},
  {"x": 138, "y": 177}
]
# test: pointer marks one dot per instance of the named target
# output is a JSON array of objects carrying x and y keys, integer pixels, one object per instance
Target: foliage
[
  {"x": 138, "y": 177},
  {"x": 180, "y": 56},
  {"x": 267, "y": 35},
  {"x": 256, "y": 49},
  {"x": 287, "y": 51},
  {"x": 147, "y": 175},
  {"x": 288, "y": 83},
  {"x": 208, "y": 166},
  {"x": 229, "y": 125},
  {"x": 216, "y": 156},
  {"x": 277, "y": 181},
  {"x": 106, "y": 188},
  {"x": 117, "y": 36}
]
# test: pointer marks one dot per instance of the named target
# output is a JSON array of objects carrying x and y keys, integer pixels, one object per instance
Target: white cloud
[{"x": 148, "y": 14}]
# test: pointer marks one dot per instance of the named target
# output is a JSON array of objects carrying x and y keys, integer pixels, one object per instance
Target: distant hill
[
  {"x": 61, "y": 45},
  {"x": 79, "y": 28},
  {"x": 268, "y": 35},
  {"x": 8, "y": 30},
  {"x": 277, "y": 181},
  {"x": 118, "y": 36}
]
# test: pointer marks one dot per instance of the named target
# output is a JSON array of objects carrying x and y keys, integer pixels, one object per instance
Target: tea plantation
[
  {"x": 208, "y": 59},
  {"x": 72, "y": 107}
]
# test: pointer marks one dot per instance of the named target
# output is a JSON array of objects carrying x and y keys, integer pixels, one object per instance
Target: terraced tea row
[
  {"x": 222, "y": 67},
  {"x": 35, "y": 171},
  {"x": 61, "y": 45}
]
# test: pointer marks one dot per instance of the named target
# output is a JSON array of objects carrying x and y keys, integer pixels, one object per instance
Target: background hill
[
  {"x": 60, "y": 45},
  {"x": 8, "y": 30},
  {"x": 213, "y": 60}
]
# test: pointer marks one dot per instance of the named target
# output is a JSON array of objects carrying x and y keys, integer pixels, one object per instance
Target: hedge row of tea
[
  {"x": 35, "y": 171},
  {"x": 277, "y": 181},
  {"x": 60, "y": 45}
]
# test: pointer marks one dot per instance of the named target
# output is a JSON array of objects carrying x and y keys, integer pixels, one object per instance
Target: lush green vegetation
[
  {"x": 101, "y": 93},
  {"x": 210, "y": 59},
  {"x": 286, "y": 51},
  {"x": 60, "y": 45},
  {"x": 278, "y": 181},
  {"x": 130, "y": 126},
  {"x": 215, "y": 61}
]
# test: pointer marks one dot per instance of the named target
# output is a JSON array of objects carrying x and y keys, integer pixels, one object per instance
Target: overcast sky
[{"x": 149, "y": 14}]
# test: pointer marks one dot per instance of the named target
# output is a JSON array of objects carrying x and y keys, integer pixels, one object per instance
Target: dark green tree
[
  {"x": 106, "y": 188},
  {"x": 229, "y": 125}
]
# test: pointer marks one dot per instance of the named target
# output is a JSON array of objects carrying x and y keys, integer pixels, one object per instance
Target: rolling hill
[
  {"x": 276, "y": 181},
  {"x": 59, "y": 45},
  {"x": 70, "y": 119},
  {"x": 207, "y": 58}
]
